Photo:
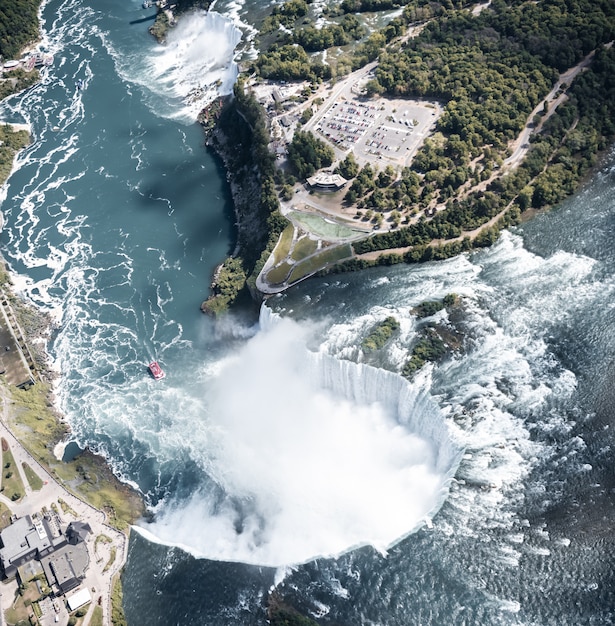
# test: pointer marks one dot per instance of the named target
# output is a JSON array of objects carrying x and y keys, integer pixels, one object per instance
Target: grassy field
[
  {"x": 283, "y": 246},
  {"x": 38, "y": 428},
  {"x": 117, "y": 599},
  {"x": 319, "y": 261},
  {"x": 97, "y": 617},
  {"x": 279, "y": 274},
  {"x": 12, "y": 485},
  {"x": 20, "y": 609},
  {"x": 303, "y": 248},
  {"x": 5, "y": 515},
  {"x": 32, "y": 477}
]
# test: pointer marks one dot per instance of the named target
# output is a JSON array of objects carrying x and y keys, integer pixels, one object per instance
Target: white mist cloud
[{"x": 307, "y": 472}]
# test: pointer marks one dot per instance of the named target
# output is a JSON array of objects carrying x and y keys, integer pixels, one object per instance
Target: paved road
[
  {"x": 521, "y": 145},
  {"x": 51, "y": 492}
]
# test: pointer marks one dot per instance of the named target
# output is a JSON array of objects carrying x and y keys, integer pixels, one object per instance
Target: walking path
[{"x": 70, "y": 508}]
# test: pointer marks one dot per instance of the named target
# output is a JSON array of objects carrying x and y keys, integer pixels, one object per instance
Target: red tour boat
[{"x": 156, "y": 370}]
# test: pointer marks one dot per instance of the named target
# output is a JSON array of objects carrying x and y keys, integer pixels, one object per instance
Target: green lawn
[
  {"x": 303, "y": 248},
  {"x": 20, "y": 608},
  {"x": 12, "y": 486},
  {"x": 319, "y": 261},
  {"x": 278, "y": 274},
  {"x": 33, "y": 478},
  {"x": 97, "y": 617},
  {"x": 282, "y": 248},
  {"x": 5, "y": 516}
]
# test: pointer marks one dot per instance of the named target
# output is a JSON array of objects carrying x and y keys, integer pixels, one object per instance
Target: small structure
[
  {"x": 78, "y": 599},
  {"x": 324, "y": 181},
  {"x": 78, "y": 532}
]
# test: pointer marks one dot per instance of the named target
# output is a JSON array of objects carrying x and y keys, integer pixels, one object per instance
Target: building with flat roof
[
  {"x": 78, "y": 599},
  {"x": 66, "y": 566},
  {"x": 63, "y": 557},
  {"x": 325, "y": 181},
  {"x": 23, "y": 540}
]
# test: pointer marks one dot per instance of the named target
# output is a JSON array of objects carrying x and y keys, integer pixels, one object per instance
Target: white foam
[
  {"x": 315, "y": 456},
  {"x": 194, "y": 66}
]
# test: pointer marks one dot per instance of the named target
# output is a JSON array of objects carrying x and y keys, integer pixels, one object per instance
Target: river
[{"x": 275, "y": 452}]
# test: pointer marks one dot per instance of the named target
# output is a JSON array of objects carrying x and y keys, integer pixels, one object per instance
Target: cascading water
[
  {"x": 193, "y": 67},
  {"x": 313, "y": 455},
  {"x": 115, "y": 219}
]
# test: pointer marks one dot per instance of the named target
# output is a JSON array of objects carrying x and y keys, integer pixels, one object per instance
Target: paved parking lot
[{"x": 382, "y": 132}]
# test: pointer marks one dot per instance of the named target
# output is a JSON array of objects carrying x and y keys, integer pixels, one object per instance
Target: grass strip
[
  {"x": 117, "y": 600},
  {"x": 12, "y": 485},
  {"x": 279, "y": 274},
  {"x": 111, "y": 560},
  {"x": 97, "y": 617},
  {"x": 5, "y": 516},
  {"x": 319, "y": 261},
  {"x": 282, "y": 248},
  {"x": 35, "y": 481}
]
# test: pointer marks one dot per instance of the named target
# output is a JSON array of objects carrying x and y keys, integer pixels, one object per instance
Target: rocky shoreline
[
  {"x": 244, "y": 183},
  {"x": 34, "y": 423}
]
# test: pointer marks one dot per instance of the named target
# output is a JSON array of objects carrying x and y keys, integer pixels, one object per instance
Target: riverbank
[
  {"x": 240, "y": 141},
  {"x": 83, "y": 489},
  {"x": 106, "y": 545}
]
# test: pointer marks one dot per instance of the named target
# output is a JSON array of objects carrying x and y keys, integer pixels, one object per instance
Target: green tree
[{"x": 307, "y": 154}]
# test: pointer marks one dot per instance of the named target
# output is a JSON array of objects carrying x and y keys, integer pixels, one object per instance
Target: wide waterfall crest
[
  {"x": 308, "y": 456},
  {"x": 195, "y": 66},
  {"x": 364, "y": 385}
]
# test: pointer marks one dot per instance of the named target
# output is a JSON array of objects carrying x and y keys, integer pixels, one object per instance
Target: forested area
[
  {"x": 380, "y": 335},
  {"x": 18, "y": 26},
  {"x": 10, "y": 143},
  {"x": 17, "y": 80},
  {"x": 161, "y": 25},
  {"x": 247, "y": 156},
  {"x": 424, "y": 7},
  {"x": 488, "y": 71},
  {"x": 559, "y": 156},
  {"x": 307, "y": 154}
]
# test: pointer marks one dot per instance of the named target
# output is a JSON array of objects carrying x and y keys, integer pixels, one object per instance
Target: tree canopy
[
  {"x": 307, "y": 154},
  {"x": 18, "y": 26}
]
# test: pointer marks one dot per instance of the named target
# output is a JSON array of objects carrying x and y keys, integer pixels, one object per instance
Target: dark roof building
[
  {"x": 22, "y": 541},
  {"x": 64, "y": 557},
  {"x": 66, "y": 566},
  {"x": 78, "y": 532}
]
